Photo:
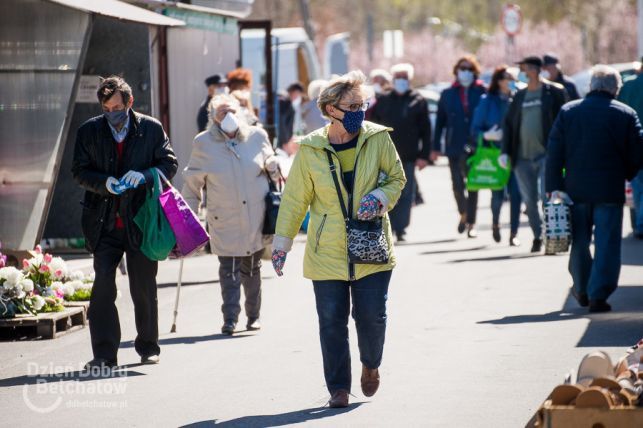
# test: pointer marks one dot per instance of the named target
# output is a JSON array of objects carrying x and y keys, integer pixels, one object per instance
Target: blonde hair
[
  {"x": 221, "y": 99},
  {"x": 338, "y": 87},
  {"x": 315, "y": 87}
]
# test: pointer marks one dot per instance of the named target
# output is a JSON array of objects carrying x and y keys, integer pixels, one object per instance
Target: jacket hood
[{"x": 319, "y": 139}]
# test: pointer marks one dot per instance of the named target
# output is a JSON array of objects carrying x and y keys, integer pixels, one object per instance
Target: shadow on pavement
[
  {"x": 487, "y": 227},
  {"x": 187, "y": 340},
  {"x": 620, "y": 328},
  {"x": 78, "y": 375},
  {"x": 437, "y": 241},
  {"x": 282, "y": 419},
  {"x": 460, "y": 250},
  {"x": 496, "y": 258},
  {"x": 188, "y": 283}
]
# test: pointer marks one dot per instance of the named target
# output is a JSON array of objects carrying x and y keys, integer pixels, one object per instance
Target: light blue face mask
[
  {"x": 465, "y": 77},
  {"x": 401, "y": 85},
  {"x": 512, "y": 86},
  {"x": 522, "y": 76}
]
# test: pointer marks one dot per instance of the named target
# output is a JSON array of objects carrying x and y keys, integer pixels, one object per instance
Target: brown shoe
[
  {"x": 370, "y": 381},
  {"x": 339, "y": 399}
]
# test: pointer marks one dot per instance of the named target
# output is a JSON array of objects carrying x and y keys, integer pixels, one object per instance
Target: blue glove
[
  {"x": 132, "y": 179},
  {"x": 113, "y": 186}
]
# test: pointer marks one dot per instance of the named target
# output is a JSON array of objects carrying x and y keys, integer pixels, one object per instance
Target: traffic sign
[{"x": 511, "y": 19}]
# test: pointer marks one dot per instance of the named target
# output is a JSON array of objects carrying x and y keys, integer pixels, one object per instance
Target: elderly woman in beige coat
[{"x": 232, "y": 161}]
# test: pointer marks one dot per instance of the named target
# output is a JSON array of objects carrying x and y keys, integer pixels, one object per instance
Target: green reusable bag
[
  {"x": 158, "y": 237},
  {"x": 484, "y": 170}
]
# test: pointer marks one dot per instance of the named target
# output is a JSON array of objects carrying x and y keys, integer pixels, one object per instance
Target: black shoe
[
  {"x": 471, "y": 231},
  {"x": 150, "y": 359},
  {"x": 496, "y": 233},
  {"x": 400, "y": 237},
  {"x": 598, "y": 306},
  {"x": 582, "y": 299},
  {"x": 537, "y": 246},
  {"x": 253, "y": 324},
  {"x": 101, "y": 363},
  {"x": 462, "y": 227},
  {"x": 514, "y": 241},
  {"x": 228, "y": 327}
]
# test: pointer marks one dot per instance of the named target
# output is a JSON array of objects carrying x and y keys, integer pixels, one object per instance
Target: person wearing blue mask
[
  {"x": 407, "y": 112},
  {"x": 126, "y": 144},
  {"x": 455, "y": 112},
  {"x": 526, "y": 128}
]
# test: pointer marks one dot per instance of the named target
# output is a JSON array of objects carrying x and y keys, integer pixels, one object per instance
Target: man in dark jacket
[
  {"x": 594, "y": 146},
  {"x": 216, "y": 84},
  {"x": 407, "y": 112},
  {"x": 552, "y": 71},
  {"x": 455, "y": 112},
  {"x": 526, "y": 129},
  {"x": 126, "y": 144}
]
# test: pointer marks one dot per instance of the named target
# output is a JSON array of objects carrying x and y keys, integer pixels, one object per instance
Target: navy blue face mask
[
  {"x": 352, "y": 120},
  {"x": 116, "y": 117}
]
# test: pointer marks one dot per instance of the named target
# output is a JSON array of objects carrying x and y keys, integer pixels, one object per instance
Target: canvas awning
[{"x": 120, "y": 10}]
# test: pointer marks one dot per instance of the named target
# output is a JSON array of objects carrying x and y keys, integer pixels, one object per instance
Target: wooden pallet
[
  {"x": 43, "y": 326},
  {"x": 80, "y": 304}
]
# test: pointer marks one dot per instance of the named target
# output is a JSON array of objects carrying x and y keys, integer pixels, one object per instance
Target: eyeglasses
[{"x": 354, "y": 107}]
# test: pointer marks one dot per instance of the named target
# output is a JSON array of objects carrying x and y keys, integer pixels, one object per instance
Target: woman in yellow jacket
[{"x": 365, "y": 158}]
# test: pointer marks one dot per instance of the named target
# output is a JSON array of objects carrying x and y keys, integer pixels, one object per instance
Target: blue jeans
[
  {"x": 400, "y": 215},
  {"x": 637, "y": 193},
  {"x": 333, "y": 298},
  {"x": 498, "y": 198},
  {"x": 596, "y": 278},
  {"x": 530, "y": 175}
]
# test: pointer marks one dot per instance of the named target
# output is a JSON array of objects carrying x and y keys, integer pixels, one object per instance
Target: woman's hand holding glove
[
  {"x": 369, "y": 208},
  {"x": 278, "y": 261}
]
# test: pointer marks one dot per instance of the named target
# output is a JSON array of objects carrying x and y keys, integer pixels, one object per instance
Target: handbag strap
[{"x": 333, "y": 172}]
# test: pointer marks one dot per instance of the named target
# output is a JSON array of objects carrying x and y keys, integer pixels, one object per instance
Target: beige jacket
[{"x": 233, "y": 173}]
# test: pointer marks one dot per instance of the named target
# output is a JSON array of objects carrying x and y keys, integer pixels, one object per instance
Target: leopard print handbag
[{"x": 366, "y": 241}]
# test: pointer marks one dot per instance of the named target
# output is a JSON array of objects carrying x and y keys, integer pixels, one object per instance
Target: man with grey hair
[{"x": 594, "y": 146}]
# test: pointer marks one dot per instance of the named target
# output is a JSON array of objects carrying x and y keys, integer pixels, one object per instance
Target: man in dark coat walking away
[
  {"x": 407, "y": 112},
  {"x": 455, "y": 113},
  {"x": 119, "y": 143},
  {"x": 595, "y": 145},
  {"x": 526, "y": 129}
]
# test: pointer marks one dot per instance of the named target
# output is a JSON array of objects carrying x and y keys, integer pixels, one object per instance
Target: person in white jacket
[{"x": 233, "y": 162}]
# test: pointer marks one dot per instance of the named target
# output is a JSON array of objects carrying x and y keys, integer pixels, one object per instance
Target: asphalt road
[{"x": 478, "y": 335}]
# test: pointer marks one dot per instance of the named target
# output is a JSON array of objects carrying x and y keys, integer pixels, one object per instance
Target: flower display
[{"x": 42, "y": 285}]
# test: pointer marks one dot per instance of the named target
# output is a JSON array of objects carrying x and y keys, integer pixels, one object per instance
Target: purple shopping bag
[{"x": 190, "y": 234}]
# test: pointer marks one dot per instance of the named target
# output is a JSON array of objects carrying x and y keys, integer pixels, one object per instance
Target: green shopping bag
[
  {"x": 484, "y": 170},
  {"x": 158, "y": 237}
]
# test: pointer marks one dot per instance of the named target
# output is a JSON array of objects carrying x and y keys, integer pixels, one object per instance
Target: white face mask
[
  {"x": 230, "y": 123},
  {"x": 377, "y": 88},
  {"x": 545, "y": 74},
  {"x": 222, "y": 90},
  {"x": 296, "y": 102}
]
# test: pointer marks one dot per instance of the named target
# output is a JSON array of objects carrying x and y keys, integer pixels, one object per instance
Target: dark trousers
[
  {"x": 400, "y": 216},
  {"x": 596, "y": 278},
  {"x": 467, "y": 201},
  {"x": 237, "y": 271},
  {"x": 333, "y": 300},
  {"x": 498, "y": 198},
  {"x": 104, "y": 325}
]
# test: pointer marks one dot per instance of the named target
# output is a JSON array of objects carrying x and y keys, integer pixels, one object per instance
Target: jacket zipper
[{"x": 320, "y": 230}]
